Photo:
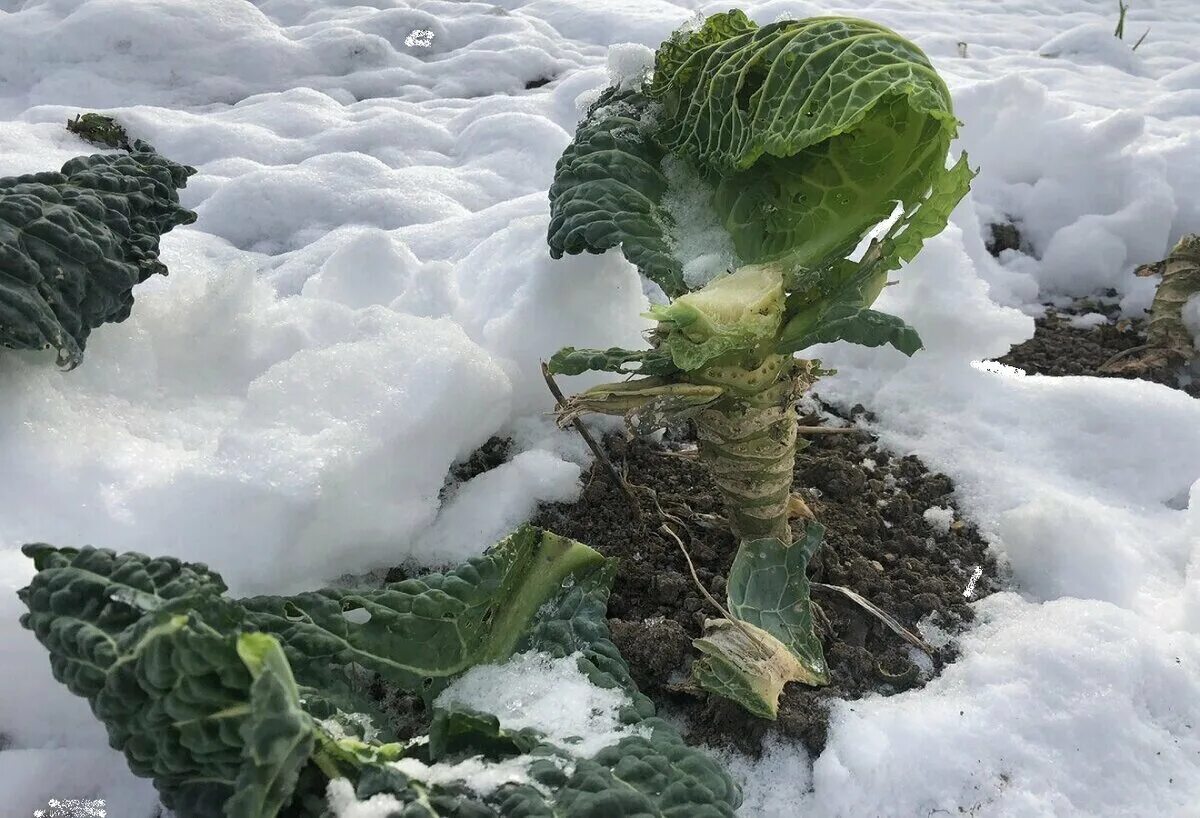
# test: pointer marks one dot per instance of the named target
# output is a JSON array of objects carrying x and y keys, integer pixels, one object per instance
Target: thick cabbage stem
[{"x": 748, "y": 442}]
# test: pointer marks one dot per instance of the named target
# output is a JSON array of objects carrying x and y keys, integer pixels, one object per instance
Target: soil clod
[{"x": 1003, "y": 237}]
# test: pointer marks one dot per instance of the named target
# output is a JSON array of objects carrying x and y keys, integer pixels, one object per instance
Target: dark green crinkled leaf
[
  {"x": 422, "y": 632},
  {"x": 456, "y": 730},
  {"x": 608, "y": 188},
  {"x": 572, "y": 361},
  {"x": 152, "y": 645},
  {"x": 199, "y": 698},
  {"x": 74, "y": 244},
  {"x": 83, "y": 600},
  {"x": 99, "y": 130},
  {"x": 868, "y": 328}
]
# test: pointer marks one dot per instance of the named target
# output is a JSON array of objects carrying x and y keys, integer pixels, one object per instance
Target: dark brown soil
[
  {"x": 1057, "y": 348},
  {"x": 878, "y": 543}
]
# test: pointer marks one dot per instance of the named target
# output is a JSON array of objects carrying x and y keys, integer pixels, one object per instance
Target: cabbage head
[{"x": 801, "y": 138}]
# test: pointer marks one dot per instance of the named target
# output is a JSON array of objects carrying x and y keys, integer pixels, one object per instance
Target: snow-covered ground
[{"x": 367, "y": 292}]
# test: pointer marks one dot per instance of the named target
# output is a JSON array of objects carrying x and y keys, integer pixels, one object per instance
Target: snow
[
  {"x": 366, "y": 294},
  {"x": 939, "y": 519},
  {"x": 477, "y": 773},
  {"x": 701, "y": 245},
  {"x": 1191, "y": 318},
  {"x": 1092, "y": 43},
  {"x": 629, "y": 65},
  {"x": 1042, "y": 695},
  {"x": 485, "y": 777},
  {"x": 344, "y": 804},
  {"x": 552, "y": 696},
  {"x": 1088, "y": 320}
]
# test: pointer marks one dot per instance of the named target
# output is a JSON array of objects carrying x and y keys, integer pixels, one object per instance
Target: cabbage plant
[
  {"x": 767, "y": 179},
  {"x": 254, "y": 707}
]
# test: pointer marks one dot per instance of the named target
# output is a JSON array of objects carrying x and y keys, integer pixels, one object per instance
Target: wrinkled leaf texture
[
  {"x": 238, "y": 708},
  {"x": 73, "y": 245}
]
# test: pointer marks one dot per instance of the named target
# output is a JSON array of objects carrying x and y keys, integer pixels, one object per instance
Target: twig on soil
[
  {"x": 823, "y": 618},
  {"x": 1125, "y": 353},
  {"x": 882, "y": 615},
  {"x": 611, "y": 470},
  {"x": 666, "y": 529}
]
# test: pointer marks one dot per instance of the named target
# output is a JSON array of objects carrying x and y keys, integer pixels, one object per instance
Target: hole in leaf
[
  {"x": 357, "y": 616},
  {"x": 752, "y": 81}
]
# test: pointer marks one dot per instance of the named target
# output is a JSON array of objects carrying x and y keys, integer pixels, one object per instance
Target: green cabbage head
[{"x": 787, "y": 145}]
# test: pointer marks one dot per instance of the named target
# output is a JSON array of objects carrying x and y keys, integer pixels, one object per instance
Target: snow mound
[
  {"x": 1059, "y": 690},
  {"x": 1094, "y": 43},
  {"x": 1087, "y": 230}
]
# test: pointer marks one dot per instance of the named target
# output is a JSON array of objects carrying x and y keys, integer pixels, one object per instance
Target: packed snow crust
[
  {"x": 549, "y": 695},
  {"x": 367, "y": 292}
]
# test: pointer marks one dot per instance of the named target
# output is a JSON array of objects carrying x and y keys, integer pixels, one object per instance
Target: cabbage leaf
[
  {"x": 250, "y": 708},
  {"x": 773, "y": 642},
  {"x": 73, "y": 245}
]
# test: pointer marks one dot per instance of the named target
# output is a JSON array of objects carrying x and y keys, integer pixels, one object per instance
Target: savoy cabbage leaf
[
  {"x": 773, "y": 641},
  {"x": 608, "y": 189},
  {"x": 73, "y": 245},
  {"x": 239, "y": 708},
  {"x": 572, "y": 361}
]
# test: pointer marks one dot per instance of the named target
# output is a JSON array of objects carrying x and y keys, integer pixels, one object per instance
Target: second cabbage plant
[{"x": 767, "y": 179}]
